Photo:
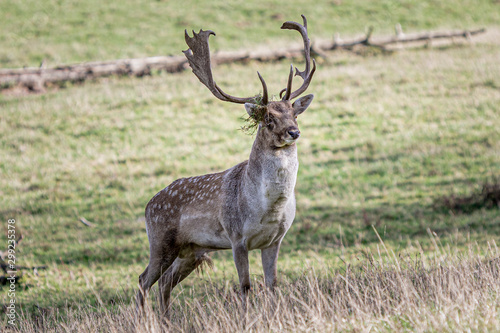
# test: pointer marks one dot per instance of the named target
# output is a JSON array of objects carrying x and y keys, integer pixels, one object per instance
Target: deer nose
[{"x": 294, "y": 133}]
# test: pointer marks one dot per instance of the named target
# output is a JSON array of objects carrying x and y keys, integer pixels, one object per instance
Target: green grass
[
  {"x": 62, "y": 32},
  {"x": 385, "y": 138}
]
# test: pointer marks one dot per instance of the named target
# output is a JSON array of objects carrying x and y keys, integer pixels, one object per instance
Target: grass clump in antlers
[{"x": 252, "y": 121}]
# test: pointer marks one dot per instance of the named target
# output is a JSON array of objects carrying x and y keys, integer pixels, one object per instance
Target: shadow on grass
[
  {"x": 488, "y": 197},
  {"x": 344, "y": 226}
]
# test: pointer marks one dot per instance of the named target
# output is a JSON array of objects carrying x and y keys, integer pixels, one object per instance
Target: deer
[{"x": 247, "y": 207}]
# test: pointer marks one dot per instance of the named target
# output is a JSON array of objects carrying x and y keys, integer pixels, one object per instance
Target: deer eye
[{"x": 269, "y": 121}]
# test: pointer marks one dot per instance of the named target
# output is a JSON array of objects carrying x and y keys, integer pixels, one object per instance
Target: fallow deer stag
[{"x": 249, "y": 206}]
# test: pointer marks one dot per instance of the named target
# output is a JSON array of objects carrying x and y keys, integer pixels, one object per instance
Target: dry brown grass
[{"x": 446, "y": 292}]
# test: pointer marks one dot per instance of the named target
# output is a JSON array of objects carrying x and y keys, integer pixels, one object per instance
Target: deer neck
[{"x": 271, "y": 171}]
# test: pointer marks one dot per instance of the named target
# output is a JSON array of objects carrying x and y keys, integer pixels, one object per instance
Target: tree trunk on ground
[{"x": 36, "y": 79}]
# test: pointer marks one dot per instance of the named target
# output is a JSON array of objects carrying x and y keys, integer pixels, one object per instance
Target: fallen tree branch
[
  {"x": 399, "y": 38},
  {"x": 36, "y": 79},
  {"x": 429, "y": 36},
  {"x": 85, "y": 222}
]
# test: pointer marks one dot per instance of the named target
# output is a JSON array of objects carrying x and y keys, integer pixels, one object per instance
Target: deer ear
[
  {"x": 251, "y": 109},
  {"x": 302, "y": 104}
]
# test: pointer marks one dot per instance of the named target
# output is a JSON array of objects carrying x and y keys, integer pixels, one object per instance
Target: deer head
[{"x": 276, "y": 120}]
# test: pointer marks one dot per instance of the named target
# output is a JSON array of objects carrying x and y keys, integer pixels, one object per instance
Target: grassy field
[
  {"x": 386, "y": 295},
  {"x": 389, "y": 141},
  {"x": 62, "y": 32}
]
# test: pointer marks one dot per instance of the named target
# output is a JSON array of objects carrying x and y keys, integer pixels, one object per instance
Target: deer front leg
[
  {"x": 269, "y": 263},
  {"x": 240, "y": 255}
]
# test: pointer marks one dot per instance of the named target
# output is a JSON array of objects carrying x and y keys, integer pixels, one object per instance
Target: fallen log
[
  {"x": 398, "y": 38},
  {"x": 36, "y": 79}
]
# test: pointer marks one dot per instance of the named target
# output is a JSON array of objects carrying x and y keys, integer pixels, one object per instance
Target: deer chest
[{"x": 272, "y": 223}]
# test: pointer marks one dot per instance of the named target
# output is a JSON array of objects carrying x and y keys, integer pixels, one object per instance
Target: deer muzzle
[{"x": 294, "y": 133}]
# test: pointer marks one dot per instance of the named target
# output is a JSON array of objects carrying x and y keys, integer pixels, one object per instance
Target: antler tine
[
  {"x": 307, "y": 74},
  {"x": 265, "y": 98},
  {"x": 288, "y": 88},
  {"x": 198, "y": 56}
]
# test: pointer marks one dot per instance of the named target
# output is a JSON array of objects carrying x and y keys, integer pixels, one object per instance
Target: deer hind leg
[
  {"x": 159, "y": 262},
  {"x": 177, "y": 272},
  {"x": 150, "y": 275}
]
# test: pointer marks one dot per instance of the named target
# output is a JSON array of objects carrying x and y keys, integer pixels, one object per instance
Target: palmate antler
[{"x": 198, "y": 56}]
